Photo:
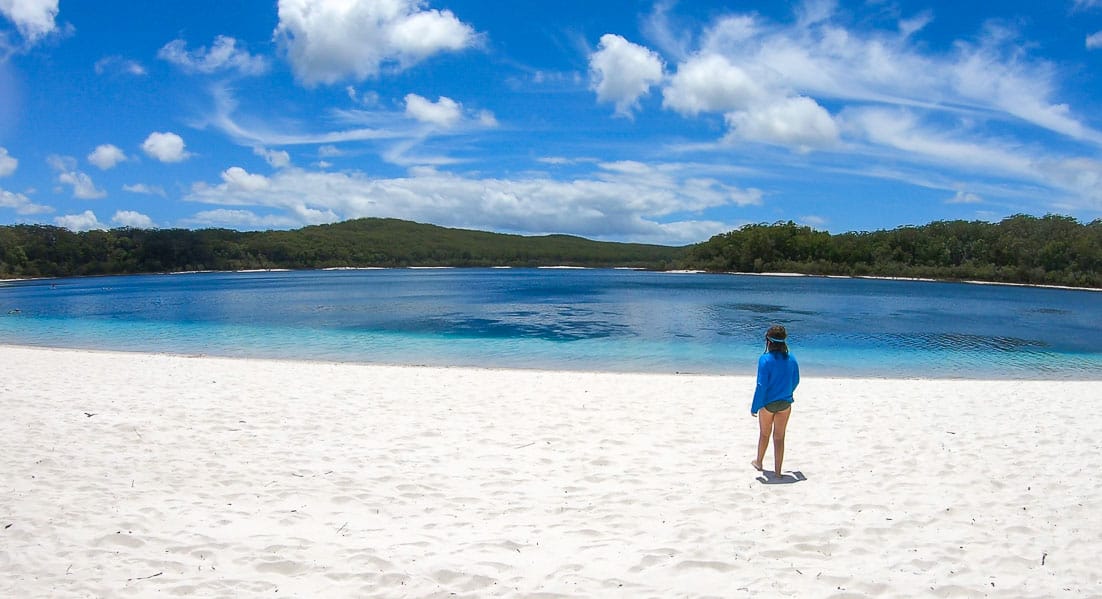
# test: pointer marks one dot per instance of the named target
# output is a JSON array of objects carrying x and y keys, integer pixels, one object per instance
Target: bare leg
[
  {"x": 780, "y": 424},
  {"x": 765, "y": 427}
]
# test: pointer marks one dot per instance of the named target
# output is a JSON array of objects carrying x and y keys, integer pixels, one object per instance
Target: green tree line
[
  {"x": 47, "y": 251},
  {"x": 1053, "y": 250}
]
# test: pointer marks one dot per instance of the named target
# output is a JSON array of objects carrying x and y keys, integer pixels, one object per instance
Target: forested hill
[
  {"x": 38, "y": 250},
  {"x": 1053, "y": 250}
]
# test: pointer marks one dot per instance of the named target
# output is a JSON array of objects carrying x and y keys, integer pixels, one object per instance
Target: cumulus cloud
[
  {"x": 630, "y": 201},
  {"x": 276, "y": 158},
  {"x": 799, "y": 123},
  {"x": 85, "y": 221},
  {"x": 8, "y": 163},
  {"x": 756, "y": 72},
  {"x": 21, "y": 203},
  {"x": 33, "y": 18},
  {"x": 237, "y": 179},
  {"x": 443, "y": 113},
  {"x": 134, "y": 220},
  {"x": 81, "y": 184},
  {"x": 106, "y": 156},
  {"x": 327, "y": 41},
  {"x": 223, "y": 55},
  {"x": 711, "y": 83},
  {"x": 622, "y": 72},
  {"x": 166, "y": 147},
  {"x": 1094, "y": 40}
]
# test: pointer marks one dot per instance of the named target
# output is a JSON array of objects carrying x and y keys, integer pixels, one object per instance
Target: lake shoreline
[{"x": 564, "y": 267}]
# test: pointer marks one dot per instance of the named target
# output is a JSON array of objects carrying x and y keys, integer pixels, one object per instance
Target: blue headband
[{"x": 775, "y": 340}]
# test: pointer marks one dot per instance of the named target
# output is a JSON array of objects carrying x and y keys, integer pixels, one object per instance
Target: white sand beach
[{"x": 132, "y": 475}]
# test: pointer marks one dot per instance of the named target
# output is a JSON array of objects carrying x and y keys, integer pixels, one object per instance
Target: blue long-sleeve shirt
[{"x": 778, "y": 377}]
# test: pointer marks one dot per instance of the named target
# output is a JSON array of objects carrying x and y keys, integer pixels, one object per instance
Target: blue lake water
[{"x": 614, "y": 320}]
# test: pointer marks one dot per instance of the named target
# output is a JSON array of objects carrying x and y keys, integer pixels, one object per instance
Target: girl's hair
[{"x": 777, "y": 338}]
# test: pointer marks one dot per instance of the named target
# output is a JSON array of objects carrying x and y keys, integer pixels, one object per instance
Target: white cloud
[
  {"x": 965, "y": 197},
  {"x": 8, "y": 163},
  {"x": 795, "y": 122},
  {"x": 261, "y": 135},
  {"x": 815, "y": 222},
  {"x": 711, "y": 83},
  {"x": 86, "y": 221},
  {"x": 21, "y": 203},
  {"x": 327, "y": 41},
  {"x": 134, "y": 220},
  {"x": 106, "y": 156},
  {"x": 443, "y": 113},
  {"x": 238, "y": 179},
  {"x": 1094, "y": 40},
  {"x": 223, "y": 55},
  {"x": 166, "y": 147},
  {"x": 276, "y": 158},
  {"x": 243, "y": 219},
  {"x": 908, "y": 27},
  {"x": 620, "y": 201},
  {"x": 660, "y": 28},
  {"x": 621, "y": 72},
  {"x": 329, "y": 152},
  {"x": 81, "y": 184},
  {"x": 487, "y": 119},
  {"x": 819, "y": 58},
  {"x": 904, "y": 131},
  {"x": 118, "y": 64},
  {"x": 61, "y": 163},
  {"x": 33, "y": 18},
  {"x": 142, "y": 188}
]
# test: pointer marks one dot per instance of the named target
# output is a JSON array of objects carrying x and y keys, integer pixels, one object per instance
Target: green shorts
[{"x": 777, "y": 406}]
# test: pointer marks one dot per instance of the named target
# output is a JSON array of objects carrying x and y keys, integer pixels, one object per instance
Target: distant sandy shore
[{"x": 135, "y": 475}]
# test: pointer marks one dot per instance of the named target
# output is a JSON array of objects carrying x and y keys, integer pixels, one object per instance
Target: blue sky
[{"x": 661, "y": 122}]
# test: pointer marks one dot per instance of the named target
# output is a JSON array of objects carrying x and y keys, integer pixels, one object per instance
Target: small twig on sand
[
  {"x": 525, "y": 445},
  {"x": 342, "y": 527},
  {"x": 1043, "y": 556},
  {"x": 148, "y": 577}
]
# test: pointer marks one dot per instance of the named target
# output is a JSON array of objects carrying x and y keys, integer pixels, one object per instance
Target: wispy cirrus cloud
[{"x": 222, "y": 56}]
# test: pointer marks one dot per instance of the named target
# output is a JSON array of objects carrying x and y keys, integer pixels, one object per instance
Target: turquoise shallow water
[{"x": 612, "y": 320}]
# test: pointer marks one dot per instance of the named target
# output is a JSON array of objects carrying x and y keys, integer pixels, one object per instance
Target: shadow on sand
[{"x": 787, "y": 478}]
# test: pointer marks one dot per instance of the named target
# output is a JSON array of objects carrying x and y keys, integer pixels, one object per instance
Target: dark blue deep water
[{"x": 617, "y": 320}]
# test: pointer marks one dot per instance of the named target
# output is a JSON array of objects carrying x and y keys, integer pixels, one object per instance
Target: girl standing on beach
[{"x": 778, "y": 376}]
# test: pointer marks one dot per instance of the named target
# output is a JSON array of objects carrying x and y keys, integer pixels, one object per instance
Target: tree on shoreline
[{"x": 1050, "y": 250}]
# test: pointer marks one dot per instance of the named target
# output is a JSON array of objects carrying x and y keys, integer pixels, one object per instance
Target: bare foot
[
  {"x": 779, "y": 475},
  {"x": 756, "y": 464}
]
